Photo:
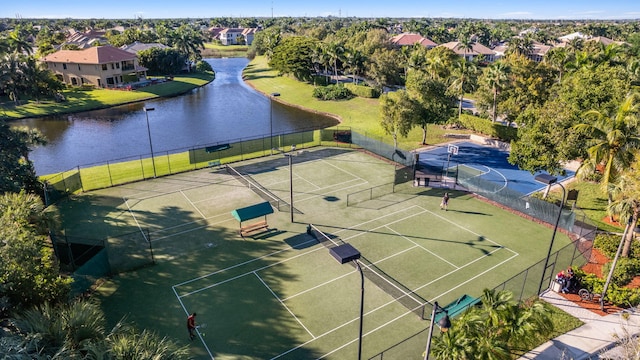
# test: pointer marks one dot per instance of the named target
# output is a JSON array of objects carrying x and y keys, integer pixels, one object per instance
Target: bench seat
[{"x": 244, "y": 230}]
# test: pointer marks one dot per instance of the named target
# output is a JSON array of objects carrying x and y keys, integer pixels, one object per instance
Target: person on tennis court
[
  {"x": 445, "y": 202},
  {"x": 191, "y": 325}
]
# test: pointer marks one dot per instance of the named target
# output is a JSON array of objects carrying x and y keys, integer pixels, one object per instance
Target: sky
[{"x": 487, "y": 9}]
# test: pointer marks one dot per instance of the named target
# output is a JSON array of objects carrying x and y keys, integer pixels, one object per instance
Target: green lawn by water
[{"x": 90, "y": 99}]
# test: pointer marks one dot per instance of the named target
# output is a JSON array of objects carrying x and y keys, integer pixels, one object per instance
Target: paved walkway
[{"x": 589, "y": 341}]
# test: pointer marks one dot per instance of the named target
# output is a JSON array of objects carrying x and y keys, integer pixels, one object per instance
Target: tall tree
[
  {"x": 16, "y": 171},
  {"x": 398, "y": 112},
  {"x": 28, "y": 271},
  {"x": 496, "y": 78},
  {"x": 435, "y": 104},
  {"x": 463, "y": 79},
  {"x": 626, "y": 201},
  {"x": 613, "y": 139}
]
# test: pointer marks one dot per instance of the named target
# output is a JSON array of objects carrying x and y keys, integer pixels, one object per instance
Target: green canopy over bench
[{"x": 252, "y": 212}]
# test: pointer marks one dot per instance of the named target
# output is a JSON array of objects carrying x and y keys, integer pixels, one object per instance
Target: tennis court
[
  {"x": 279, "y": 294},
  {"x": 488, "y": 162}
]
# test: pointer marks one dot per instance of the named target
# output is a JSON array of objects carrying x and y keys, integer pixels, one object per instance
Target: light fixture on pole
[
  {"x": 444, "y": 324},
  {"x": 146, "y": 113},
  {"x": 343, "y": 254},
  {"x": 274, "y": 94},
  {"x": 550, "y": 180},
  {"x": 615, "y": 260}
]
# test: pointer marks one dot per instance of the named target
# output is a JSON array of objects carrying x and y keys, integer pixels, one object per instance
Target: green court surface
[{"x": 279, "y": 294}]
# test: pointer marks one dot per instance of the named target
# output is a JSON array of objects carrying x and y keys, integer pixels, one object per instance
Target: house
[
  {"x": 237, "y": 36},
  {"x": 477, "y": 49},
  {"x": 409, "y": 39},
  {"x": 537, "y": 53},
  {"x": 87, "y": 39},
  {"x": 101, "y": 66},
  {"x": 136, "y": 47},
  {"x": 572, "y": 36}
]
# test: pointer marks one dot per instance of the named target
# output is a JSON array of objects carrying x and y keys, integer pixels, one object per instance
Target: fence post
[{"x": 109, "y": 173}]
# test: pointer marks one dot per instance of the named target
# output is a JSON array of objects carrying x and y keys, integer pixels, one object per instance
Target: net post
[{"x": 148, "y": 237}]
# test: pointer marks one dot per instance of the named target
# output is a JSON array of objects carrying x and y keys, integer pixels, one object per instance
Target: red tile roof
[
  {"x": 94, "y": 55},
  {"x": 407, "y": 39}
]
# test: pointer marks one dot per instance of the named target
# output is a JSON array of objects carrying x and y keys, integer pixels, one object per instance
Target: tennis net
[
  {"x": 265, "y": 194},
  {"x": 384, "y": 281}
]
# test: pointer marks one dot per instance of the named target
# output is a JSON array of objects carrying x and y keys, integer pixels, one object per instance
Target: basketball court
[{"x": 487, "y": 162}]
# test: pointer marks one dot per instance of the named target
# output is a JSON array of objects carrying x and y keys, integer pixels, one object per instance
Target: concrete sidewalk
[{"x": 589, "y": 341}]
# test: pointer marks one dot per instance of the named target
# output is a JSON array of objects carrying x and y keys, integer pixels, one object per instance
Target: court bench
[{"x": 247, "y": 229}]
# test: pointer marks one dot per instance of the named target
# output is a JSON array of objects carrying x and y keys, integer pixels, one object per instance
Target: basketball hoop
[{"x": 452, "y": 149}]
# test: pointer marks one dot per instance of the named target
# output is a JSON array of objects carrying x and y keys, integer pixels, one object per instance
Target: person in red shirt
[{"x": 191, "y": 325}]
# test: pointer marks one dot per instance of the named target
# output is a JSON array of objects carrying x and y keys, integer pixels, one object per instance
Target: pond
[{"x": 225, "y": 110}]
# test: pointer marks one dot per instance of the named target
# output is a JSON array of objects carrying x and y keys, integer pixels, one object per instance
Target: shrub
[
  {"x": 363, "y": 91},
  {"x": 608, "y": 245},
  {"x": 332, "y": 92},
  {"x": 626, "y": 269},
  {"x": 486, "y": 127},
  {"x": 618, "y": 296},
  {"x": 203, "y": 66}
]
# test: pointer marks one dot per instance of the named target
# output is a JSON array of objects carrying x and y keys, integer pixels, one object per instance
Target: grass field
[{"x": 279, "y": 294}]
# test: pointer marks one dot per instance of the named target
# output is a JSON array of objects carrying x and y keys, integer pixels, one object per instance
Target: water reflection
[{"x": 225, "y": 110}]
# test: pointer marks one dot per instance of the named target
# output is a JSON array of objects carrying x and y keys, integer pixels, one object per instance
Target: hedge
[
  {"x": 486, "y": 127},
  {"x": 363, "y": 91}
]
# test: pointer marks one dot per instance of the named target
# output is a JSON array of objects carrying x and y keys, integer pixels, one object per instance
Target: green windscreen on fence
[{"x": 500, "y": 193}]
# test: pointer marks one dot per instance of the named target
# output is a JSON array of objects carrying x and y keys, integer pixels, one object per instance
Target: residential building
[
  {"x": 136, "y": 47},
  {"x": 236, "y": 36},
  {"x": 87, "y": 39},
  {"x": 476, "y": 50},
  {"x": 410, "y": 39},
  {"x": 101, "y": 66}
]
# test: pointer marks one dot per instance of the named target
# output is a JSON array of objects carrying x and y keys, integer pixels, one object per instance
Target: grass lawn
[
  {"x": 362, "y": 115},
  {"x": 91, "y": 99},
  {"x": 215, "y": 50}
]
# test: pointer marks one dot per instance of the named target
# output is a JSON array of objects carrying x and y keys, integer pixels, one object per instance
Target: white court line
[
  {"x": 423, "y": 248},
  {"x": 197, "y": 330},
  {"x": 194, "y": 222},
  {"x": 408, "y": 312},
  {"x": 317, "y": 286},
  {"x": 135, "y": 219},
  {"x": 331, "y": 188},
  {"x": 282, "y": 303},
  {"x": 188, "y": 230},
  {"x": 478, "y": 275},
  {"x": 246, "y": 262},
  {"x": 192, "y": 204}
]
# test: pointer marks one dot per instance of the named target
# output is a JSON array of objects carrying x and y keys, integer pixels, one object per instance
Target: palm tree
[
  {"x": 466, "y": 45},
  {"x": 188, "y": 41},
  {"x": 463, "y": 79},
  {"x": 558, "y": 58},
  {"x": 496, "y": 77},
  {"x": 335, "y": 51},
  {"x": 613, "y": 140},
  {"x": 355, "y": 62},
  {"x": 626, "y": 203},
  {"x": 493, "y": 330}
]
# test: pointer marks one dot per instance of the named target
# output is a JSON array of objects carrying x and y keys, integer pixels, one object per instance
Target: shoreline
[{"x": 101, "y": 107}]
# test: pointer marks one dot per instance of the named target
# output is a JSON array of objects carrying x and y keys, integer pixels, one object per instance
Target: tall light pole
[
  {"x": 343, "y": 254},
  {"x": 274, "y": 94},
  {"x": 153, "y": 162},
  {"x": 290, "y": 156},
  {"x": 444, "y": 323},
  {"x": 550, "y": 180}
]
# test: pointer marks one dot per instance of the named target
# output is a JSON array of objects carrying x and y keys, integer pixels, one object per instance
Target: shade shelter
[{"x": 256, "y": 211}]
